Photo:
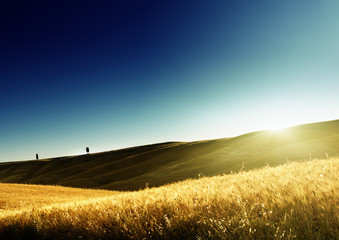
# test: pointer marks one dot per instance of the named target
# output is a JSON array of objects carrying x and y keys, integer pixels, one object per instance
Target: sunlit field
[
  {"x": 291, "y": 201},
  {"x": 21, "y": 197}
]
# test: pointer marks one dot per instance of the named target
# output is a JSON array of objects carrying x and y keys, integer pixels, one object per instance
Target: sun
[{"x": 278, "y": 128}]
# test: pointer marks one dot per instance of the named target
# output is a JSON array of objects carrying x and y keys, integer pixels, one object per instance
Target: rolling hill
[{"x": 158, "y": 164}]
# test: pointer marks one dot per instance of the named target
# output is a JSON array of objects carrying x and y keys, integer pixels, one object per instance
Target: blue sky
[{"x": 113, "y": 74}]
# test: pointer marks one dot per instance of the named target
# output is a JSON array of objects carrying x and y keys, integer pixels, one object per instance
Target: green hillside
[{"x": 158, "y": 164}]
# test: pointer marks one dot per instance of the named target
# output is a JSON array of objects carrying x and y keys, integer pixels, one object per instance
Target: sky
[{"x": 114, "y": 74}]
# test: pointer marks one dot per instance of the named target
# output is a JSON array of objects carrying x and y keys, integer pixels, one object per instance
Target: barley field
[
  {"x": 23, "y": 197},
  {"x": 297, "y": 200}
]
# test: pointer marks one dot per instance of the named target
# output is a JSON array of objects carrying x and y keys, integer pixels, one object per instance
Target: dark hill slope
[{"x": 157, "y": 164}]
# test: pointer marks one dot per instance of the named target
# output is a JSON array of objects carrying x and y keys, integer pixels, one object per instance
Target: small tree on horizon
[
  {"x": 87, "y": 150},
  {"x": 37, "y": 156}
]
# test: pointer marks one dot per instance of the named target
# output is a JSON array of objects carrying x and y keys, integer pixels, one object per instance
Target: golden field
[
  {"x": 296, "y": 200},
  {"x": 21, "y": 197}
]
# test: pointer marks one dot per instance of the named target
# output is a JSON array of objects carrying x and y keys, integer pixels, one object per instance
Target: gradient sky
[{"x": 113, "y": 74}]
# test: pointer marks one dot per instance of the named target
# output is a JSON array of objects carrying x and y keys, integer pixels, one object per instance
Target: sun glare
[
  {"x": 278, "y": 129},
  {"x": 276, "y": 126}
]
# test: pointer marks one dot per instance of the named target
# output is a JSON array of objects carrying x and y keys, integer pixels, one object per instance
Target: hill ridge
[{"x": 161, "y": 163}]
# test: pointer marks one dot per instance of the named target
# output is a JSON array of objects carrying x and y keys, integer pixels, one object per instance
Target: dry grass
[
  {"x": 292, "y": 201},
  {"x": 15, "y": 198}
]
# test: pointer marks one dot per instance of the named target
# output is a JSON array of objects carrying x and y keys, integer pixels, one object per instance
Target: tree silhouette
[
  {"x": 87, "y": 150},
  {"x": 37, "y": 156}
]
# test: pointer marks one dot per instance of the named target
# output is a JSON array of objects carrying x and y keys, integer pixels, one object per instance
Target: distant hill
[{"x": 158, "y": 164}]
